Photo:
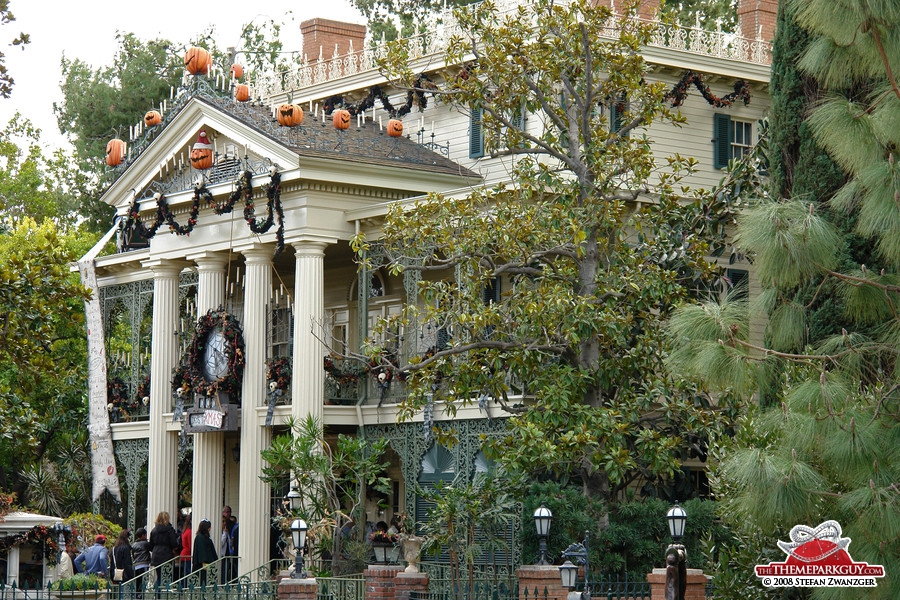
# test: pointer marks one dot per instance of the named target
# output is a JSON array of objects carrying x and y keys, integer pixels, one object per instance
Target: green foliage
[
  {"x": 87, "y": 526},
  {"x": 721, "y": 14},
  {"x": 583, "y": 306},
  {"x": 80, "y": 582},
  {"x": 6, "y": 79}
]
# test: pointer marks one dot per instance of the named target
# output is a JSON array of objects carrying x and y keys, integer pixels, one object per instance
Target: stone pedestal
[
  {"x": 540, "y": 581},
  {"x": 380, "y": 581},
  {"x": 297, "y": 589},
  {"x": 695, "y": 590},
  {"x": 407, "y": 585}
]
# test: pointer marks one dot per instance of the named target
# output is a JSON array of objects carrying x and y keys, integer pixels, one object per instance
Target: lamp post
[
  {"x": 568, "y": 571},
  {"x": 676, "y": 555},
  {"x": 542, "y": 519},
  {"x": 298, "y": 536},
  {"x": 293, "y": 498}
]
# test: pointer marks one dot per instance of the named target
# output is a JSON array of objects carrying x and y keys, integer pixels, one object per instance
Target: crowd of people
[{"x": 128, "y": 561}]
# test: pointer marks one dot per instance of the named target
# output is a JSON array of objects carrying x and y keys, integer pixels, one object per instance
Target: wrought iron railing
[
  {"x": 442, "y": 26},
  {"x": 348, "y": 587}
]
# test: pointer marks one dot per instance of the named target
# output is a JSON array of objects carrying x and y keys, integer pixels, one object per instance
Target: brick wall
[
  {"x": 322, "y": 36},
  {"x": 755, "y": 16}
]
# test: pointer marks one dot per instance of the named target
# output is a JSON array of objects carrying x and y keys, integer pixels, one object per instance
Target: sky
[{"x": 86, "y": 29}]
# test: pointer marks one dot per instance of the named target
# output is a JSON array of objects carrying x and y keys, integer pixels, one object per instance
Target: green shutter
[
  {"x": 476, "y": 134},
  {"x": 721, "y": 140}
]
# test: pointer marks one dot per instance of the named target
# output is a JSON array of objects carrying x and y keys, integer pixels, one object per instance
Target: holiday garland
[
  {"x": 678, "y": 93},
  {"x": 45, "y": 539},
  {"x": 243, "y": 190},
  {"x": 414, "y": 97},
  {"x": 119, "y": 404},
  {"x": 278, "y": 374}
]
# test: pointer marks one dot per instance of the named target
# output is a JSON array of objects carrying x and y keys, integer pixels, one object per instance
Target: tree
[
  {"x": 826, "y": 448},
  {"x": 6, "y": 80},
  {"x": 577, "y": 326},
  {"x": 710, "y": 15}
]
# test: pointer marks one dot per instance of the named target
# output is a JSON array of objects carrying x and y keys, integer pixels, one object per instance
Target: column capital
[
  {"x": 209, "y": 260},
  {"x": 311, "y": 246},
  {"x": 161, "y": 267},
  {"x": 258, "y": 253}
]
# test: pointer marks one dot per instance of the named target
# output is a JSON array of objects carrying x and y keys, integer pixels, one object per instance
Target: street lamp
[
  {"x": 542, "y": 518},
  {"x": 293, "y": 497},
  {"x": 677, "y": 517},
  {"x": 568, "y": 571},
  {"x": 676, "y": 555},
  {"x": 298, "y": 536}
]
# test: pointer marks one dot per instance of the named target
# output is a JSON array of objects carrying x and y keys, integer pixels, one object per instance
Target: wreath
[
  {"x": 193, "y": 377},
  {"x": 119, "y": 404},
  {"x": 278, "y": 374}
]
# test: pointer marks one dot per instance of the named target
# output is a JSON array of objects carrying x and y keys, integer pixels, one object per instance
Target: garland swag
[
  {"x": 243, "y": 190},
  {"x": 678, "y": 94},
  {"x": 414, "y": 97}
]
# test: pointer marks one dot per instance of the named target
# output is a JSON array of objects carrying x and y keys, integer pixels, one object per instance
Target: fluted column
[
  {"x": 209, "y": 447},
  {"x": 253, "y": 541},
  {"x": 308, "y": 389},
  {"x": 162, "y": 466}
]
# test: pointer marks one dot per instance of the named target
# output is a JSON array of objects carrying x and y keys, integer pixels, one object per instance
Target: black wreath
[{"x": 230, "y": 383}]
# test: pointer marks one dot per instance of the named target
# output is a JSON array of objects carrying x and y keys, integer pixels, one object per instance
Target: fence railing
[{"x": 348, "y": 587}]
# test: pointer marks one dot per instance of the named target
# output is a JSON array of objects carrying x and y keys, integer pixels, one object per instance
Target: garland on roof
[
  {"x": 678, "y": 93},
  {"x": 414, "y": 98}
]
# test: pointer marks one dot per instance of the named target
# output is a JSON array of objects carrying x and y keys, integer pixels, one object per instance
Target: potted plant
[
  {"x": 410, "y": 543},
  {"x": 78, "y": 586}
]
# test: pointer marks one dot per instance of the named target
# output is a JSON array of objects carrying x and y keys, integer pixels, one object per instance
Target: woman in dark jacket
[
  {"x": 165, "y": 544},
  {"x": 204, "y": 550},
  {"x": 121, "y": 557}
]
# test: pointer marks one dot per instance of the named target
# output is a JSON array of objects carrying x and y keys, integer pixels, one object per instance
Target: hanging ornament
[{"x": 202, "y": 152}]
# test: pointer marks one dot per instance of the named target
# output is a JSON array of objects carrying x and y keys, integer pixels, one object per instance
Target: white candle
[
  {"x": 171, "y": 92},
  {"x": 310, "y": 106},
  {"x": 380, "y": 127},
  {"x": 432, "y": 127}
]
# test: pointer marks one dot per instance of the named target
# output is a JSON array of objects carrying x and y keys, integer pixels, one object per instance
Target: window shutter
[
  {"x": 476, "y": 134},
  {"x": 761, "y": 126},
  {"x": 491, "y": 291},
  {"x": 721, "y": 140}
]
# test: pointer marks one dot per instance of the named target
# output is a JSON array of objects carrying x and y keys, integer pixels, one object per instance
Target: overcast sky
[{"x": 86, "y": 29}]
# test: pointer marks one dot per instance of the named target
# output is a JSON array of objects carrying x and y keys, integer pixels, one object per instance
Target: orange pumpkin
[
  {"x": 202, "y": 152},
  {"x": 341, "y": 118},
  {"x": 152, "y": 118},
  {"x": 197, "y": 61},
  {"x": 289, "y": 115},
  {"x": 241, "y": 92},
  {"x": 115, "y": 152},
  {"x": 237, "y": 70},
  {"x": 395, "y": 128}
]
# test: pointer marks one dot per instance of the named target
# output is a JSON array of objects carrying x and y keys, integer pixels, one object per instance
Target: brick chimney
[
  {"x": 756, "y": 18},
  {"x": 322, "y": 35},
  {"x": 647, "y": 10}
]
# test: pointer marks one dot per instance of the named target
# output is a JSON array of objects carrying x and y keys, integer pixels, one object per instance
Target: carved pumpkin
[
  {"x": 115, "y": 152},
  {"x": 241, "y": 92},
  {"x": 202, "y": 152},
  {"x": 395, "y": 128},
  {"x": 341, "y": 118},
  {"x": 237, "y": 70},
  {"x": 197, "y": 61},
  {"x": 152, "y": 118},
  {"x": 289, "y": 115}
]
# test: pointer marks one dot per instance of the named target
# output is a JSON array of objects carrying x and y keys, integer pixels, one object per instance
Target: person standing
[
  {"x": 140, "y": 552},
  {"x": 204, "y": 550},
  {"x": 228, "y": 545},
  {"x": 67, "y": 562},
  {"x": 94, "y": 560},
  {"x": 121, "y": 558},
  {"x": 186, "y": 540}
]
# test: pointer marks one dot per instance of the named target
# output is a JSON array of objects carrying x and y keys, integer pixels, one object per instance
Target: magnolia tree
[{"x": 572, "y": 346}]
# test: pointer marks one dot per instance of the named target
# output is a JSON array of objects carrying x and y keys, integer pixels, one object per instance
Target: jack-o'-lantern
[
  {"x": 237, "y": 70},
  {"x": 152, "y": 118},
  {"x": 115, "y": 152},
  {"x": 341, "y": 118},
  {"x": 289, "y": 115},
  {"x": 241, "y": 92},
  {"x": 395, "y": 128},
  {"x": 197, "y": 61},
  {"x": 202, "y": 152}
]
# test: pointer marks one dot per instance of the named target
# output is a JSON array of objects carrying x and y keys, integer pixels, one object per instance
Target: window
[
  {"x": 476, "y": 133},
  {"x": 617, "y": 114},
  {"x": 732, "y": 139}
]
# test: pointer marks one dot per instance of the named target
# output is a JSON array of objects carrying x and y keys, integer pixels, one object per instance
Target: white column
[
  {"x": 253, "y": 539},
  {"x": 162, "y": 466},
  {"x": 208, "y": 491},
  {"x": 308, "y": 389}
]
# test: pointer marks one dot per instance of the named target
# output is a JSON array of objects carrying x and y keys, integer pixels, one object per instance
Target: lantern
[
  {"x": 115, "y": 152},
  {"x": 341, "y": 118},
  {"x": 197, "y": 61},
  {"x": 289, "y": 115},
  {"x": 395, "y": 128},
  {"x": 152, "y": 118},
  {"x": 237, "y": 70},
  {"x": 202, "y": 152},
  {"x": 241, "y": 92}
]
